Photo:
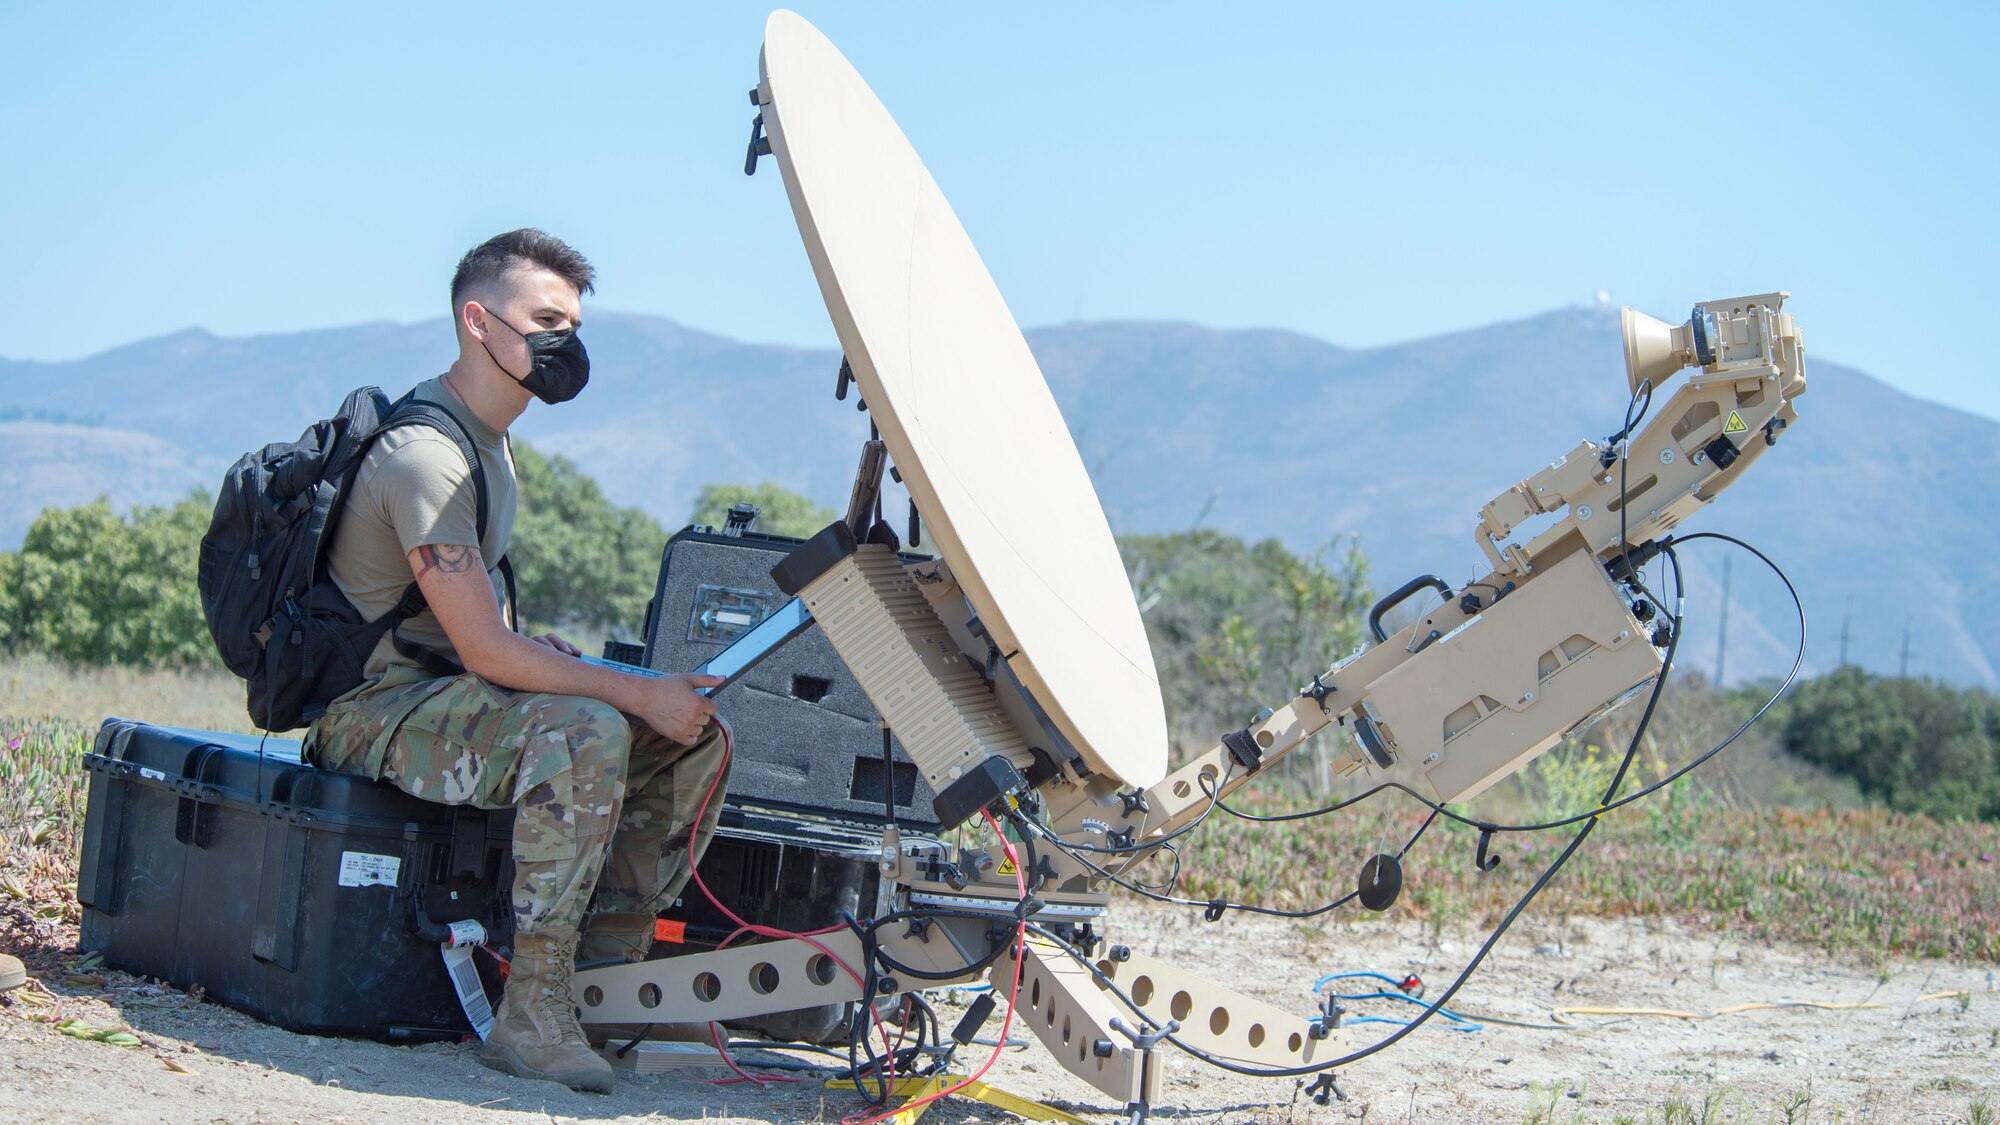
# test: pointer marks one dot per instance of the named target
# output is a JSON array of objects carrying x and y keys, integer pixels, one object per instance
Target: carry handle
[
  {"x": 1403, "y": 592},
  {"x": 194, "y": 813}
]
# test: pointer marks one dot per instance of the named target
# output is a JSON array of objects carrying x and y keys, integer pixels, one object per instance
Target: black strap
[
  {"x": 430, "y": 660},
  {"x": 437, "y": 416},
  {"x": 1242, "y": 746},
  {"x": 427, "y": 658},
  {"x": 506, "y": 566}
]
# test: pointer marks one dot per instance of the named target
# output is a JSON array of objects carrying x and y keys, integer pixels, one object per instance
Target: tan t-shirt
[{"x": 415, "y": 490}]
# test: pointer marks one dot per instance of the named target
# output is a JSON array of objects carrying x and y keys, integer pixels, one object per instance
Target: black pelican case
[
  {"x": 285, "y": 891},
  {"x": 290, "y": 892}
]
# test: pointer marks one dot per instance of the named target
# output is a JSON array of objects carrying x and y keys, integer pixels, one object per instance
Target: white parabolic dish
[{"x": 967, "y": 416}]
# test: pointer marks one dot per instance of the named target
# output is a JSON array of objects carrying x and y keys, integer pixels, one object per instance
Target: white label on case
[
  {"x": 471, "y": 994},
  {"x": 364, "y": 869},
  {"x": 467, "y": 933},
  {"x": 156, "y": 775}
]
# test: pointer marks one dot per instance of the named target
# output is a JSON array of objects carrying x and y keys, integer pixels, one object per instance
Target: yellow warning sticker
[
  {"x": 1735, "y": 424},
  {"x": 1009, "y": 867}
]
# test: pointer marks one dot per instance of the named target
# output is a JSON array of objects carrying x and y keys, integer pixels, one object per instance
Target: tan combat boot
[
  {"x": 535, "y": 1034},
  {"x": 13, "y": 974}
]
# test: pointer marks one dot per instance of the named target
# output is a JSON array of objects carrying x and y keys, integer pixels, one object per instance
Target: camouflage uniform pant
[{"x": 602, "y": 802}]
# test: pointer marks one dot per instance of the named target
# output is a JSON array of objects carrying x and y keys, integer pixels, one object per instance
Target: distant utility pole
[
  {"x": 1903, "y": 668},
  {"x": 1846, "y": 620},
  {"x": 1722, "y": 630}
]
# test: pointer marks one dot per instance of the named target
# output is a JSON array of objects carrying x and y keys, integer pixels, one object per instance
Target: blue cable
[
  {"x": 1384, "y": 977},
  {"x": 1459, "y": 1023}
]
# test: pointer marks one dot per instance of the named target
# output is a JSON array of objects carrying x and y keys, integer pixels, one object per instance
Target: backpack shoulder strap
[
  {"x": 506, "y": 564},
  {"x": 439, "y": 417},
  {"x": 443, "y": 419},
  {"x": 513, "y": 613}
]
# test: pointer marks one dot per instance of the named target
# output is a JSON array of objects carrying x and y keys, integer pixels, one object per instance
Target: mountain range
[{"x": 1251, "y": 432}]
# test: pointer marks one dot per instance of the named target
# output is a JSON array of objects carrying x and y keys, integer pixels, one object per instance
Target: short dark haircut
[{"x": 526, "y": 248}]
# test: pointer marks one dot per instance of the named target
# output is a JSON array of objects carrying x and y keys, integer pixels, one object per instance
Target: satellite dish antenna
[{"x": 963, "y": 407}]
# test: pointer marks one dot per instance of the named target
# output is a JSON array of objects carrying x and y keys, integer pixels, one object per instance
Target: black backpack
[{"x": 277, "y": 618}]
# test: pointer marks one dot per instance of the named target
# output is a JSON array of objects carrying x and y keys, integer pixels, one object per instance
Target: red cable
[
  {"x": 717, "y": 903},
  {"x": 888, "y": 1065},
  {"x": 1013, "y": 992},
  {"x": 728, "y": 751},
  {"x": 715, "y": 1033}
]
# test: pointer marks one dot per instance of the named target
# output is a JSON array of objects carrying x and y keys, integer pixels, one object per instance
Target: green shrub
[
  {"x": 93, "y": 587},
  {"x": 1239, "y": 626},
  {"x": 582, "y": 562},
  {"x": 1915, "y": 745}
]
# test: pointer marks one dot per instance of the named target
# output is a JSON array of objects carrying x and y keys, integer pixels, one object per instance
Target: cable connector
[
  {"x": 975, "y": 863},
  {"x": 1624, "y": 566},
  {"x": 975, "y": 1018}
]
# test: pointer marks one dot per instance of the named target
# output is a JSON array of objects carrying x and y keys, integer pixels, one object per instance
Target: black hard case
[
  {"x": 209, "y": 860},
  {"x": 789, "y": 872},
  {"x": 807, "y": 738}
]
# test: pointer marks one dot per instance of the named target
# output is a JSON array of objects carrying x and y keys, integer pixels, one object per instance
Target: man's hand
[
  {"x": 454, "y": 582},
  {"x": 557, "y": 643},
  {"x": 673, "y": 706}
]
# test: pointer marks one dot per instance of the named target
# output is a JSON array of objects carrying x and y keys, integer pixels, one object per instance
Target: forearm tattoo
[{"x": 447, "y": 558}]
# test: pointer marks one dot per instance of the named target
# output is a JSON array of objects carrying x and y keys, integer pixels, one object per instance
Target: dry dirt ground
[{"x": 1908, "y": 1060}]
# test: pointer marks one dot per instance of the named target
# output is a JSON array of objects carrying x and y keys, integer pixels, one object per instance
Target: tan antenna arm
[{"x": 1548, "y": 641}]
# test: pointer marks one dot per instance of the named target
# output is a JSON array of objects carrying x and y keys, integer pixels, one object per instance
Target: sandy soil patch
[{"x": 1908, "y": 1060}]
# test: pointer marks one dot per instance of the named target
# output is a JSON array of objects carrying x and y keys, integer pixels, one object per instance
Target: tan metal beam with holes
[
  {"x": 1748, "y": 394},
  {"x": 750, "y": 980},
  {"x": 1217, "y": 1020},
  {"x": 722, "y": 984},
  {"x": 1066, "y": 1009}
]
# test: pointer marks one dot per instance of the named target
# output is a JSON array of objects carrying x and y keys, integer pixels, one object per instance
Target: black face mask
[{"x": 559, "y": 365}]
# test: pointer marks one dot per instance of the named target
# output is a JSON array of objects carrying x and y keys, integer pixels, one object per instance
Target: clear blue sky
[{"x": 1361, "y": 173}]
